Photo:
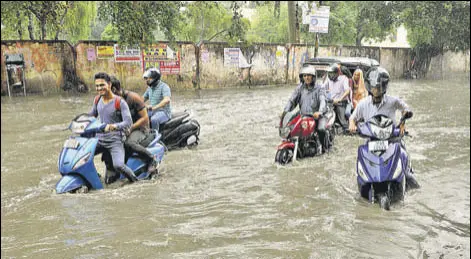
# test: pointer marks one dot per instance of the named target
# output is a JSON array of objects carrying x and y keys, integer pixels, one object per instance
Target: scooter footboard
[{"x": 69, "y": 183}]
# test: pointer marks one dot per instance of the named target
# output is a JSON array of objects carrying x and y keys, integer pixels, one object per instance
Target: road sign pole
[{"x": 316, "y": 50}]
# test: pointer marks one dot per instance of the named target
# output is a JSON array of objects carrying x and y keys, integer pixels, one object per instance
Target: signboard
[
  {"x": 91, "y": 56},
  {"x": 161, "y": 56},
  {"x": 170, "y": 67},
  {"x": 104, "y": 52},
  {"x": 319, "y": 20},
  {"x": 231, "y": 57},
  {"x": 126, "y": 54}
]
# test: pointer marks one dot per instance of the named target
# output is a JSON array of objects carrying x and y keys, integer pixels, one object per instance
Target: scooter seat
[{"x": 177, "y": 119}]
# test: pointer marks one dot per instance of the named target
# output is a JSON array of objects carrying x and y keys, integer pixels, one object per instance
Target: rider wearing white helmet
[{"x": 311, "y": 98}]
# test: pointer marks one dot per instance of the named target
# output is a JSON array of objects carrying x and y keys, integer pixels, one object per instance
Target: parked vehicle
[
  {"x": 321, "y": 64},
  {"x": 299, "y": 137},
  {"x": 76, "y": 164},
  {"x": 382, "y": 162}
]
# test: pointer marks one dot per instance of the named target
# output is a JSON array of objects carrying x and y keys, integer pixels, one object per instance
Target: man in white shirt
[{"x": 338, "y": 91}]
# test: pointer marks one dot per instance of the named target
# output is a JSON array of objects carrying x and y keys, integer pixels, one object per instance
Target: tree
[
  {"x": 13, "y": 17},
  {"x": 352, "y": 22},
  {"x": 267, "y": 27},
  {"x": 433, "y": 28},
  {"x": 137, "y": 20},
  {"x": 79, "y": 21},
  {"x": 70, "y": 20},
  {"x": 204, "y": 20}
]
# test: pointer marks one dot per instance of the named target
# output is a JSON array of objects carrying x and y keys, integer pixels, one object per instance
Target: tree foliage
[
  {"x": 208, "y": 20},
  {"x": 79, "y": 21},
  {"x": 137, "y": 20},
  {"x": 71, "y": 20},
  {"x": 204, "y": 20},
  {"x": 434, "y": 27},
  {"x": 352, "y": 22},
  {"x": 268, "y": 25}
]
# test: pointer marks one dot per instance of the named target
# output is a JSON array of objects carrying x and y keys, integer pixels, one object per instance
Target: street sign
[{"x": 319, "y": 20}]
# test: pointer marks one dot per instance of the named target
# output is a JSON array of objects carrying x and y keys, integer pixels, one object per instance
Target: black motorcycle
[{"x": 180, "y": 131}]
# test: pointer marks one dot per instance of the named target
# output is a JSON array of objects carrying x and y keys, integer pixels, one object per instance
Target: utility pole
[
  {"x": 292, "y": 21},
  {"x": 317, "y": 36}
]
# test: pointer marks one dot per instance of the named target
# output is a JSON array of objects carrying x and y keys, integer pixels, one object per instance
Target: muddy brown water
[{"x": 226, "y": 198}]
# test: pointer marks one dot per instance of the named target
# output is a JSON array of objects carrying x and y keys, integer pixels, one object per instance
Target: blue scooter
[
  {"x": 384, "y": 169},
  {"x": 76, "y": 158}
]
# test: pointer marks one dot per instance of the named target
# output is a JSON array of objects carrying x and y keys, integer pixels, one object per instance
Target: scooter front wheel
[
  {"x": 384, "y": 202},
  {"x": 82, "y": 189},
  {"x": 284, "y": 156}
]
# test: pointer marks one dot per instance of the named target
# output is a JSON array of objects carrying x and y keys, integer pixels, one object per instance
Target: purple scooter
[{"x": 384, "y": 171}]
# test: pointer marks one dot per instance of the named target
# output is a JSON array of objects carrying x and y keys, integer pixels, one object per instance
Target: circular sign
[{"x": 314, "y": 21}]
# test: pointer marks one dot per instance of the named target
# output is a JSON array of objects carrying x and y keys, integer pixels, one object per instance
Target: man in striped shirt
[{"x": 158, "y": 93}]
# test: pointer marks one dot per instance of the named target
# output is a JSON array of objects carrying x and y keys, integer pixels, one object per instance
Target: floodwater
[{"x": 226, "y": 198}]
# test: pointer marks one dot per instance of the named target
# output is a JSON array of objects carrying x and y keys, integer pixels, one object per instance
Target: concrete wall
[
  {"x": 447, "y": 65},
  {"x": 49, "y": 64}
]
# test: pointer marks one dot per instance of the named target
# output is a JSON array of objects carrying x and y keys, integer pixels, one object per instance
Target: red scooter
[{"x": 298, "y": 132}]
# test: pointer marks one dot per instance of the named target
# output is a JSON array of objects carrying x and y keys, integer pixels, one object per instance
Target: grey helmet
[
  {"x": 377, "y": 77},
  {"x": 153, "y": 73},
  {"x": 307, "y": 70}
]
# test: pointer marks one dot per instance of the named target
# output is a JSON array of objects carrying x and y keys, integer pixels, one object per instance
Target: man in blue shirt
[
  {"x": 117, "y": 121},
  {"x": 158, "y": 93}
]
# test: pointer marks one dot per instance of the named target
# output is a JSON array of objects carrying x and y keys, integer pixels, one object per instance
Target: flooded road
[{"x": 226, "y": 198}]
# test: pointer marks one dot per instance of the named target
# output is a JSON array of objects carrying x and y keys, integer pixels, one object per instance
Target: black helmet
[
  {"x": 377, "y": 77},
  {"x": 308, "y": 70},
  {"x": 333, "y": 71},
  {"x": 153, "y": 73}
]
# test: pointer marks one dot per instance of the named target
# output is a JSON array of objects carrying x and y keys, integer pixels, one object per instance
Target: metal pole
[
  {"x": 317, "y": 36},
  {"x": 8, "y": 81},
  {"x": 23, "y": 78}
]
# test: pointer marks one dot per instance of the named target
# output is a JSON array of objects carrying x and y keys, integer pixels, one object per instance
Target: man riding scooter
[
  {"x": 338, "y": 90},
  {"x": 378, "y": 102}
]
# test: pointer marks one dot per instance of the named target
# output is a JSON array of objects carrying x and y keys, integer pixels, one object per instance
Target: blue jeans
[
  {"x": 157, "y": 118},
  {"x": 113, "y": 156}
]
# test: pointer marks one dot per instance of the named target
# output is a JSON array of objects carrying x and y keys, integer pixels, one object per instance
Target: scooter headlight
[
  {"x": 398, "y": 170},
  {"x": 284, "y": 132},
  {"x": 381, "y": 133},
  {"x": 82, "y": 161},
  {"x": 361, "y": 172},
  {"x": 78, "y": 127}
]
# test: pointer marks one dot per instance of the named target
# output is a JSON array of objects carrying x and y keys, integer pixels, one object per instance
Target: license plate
[
  {"x": 380, "y": 145},
  {"x": 71, "y": 143}
]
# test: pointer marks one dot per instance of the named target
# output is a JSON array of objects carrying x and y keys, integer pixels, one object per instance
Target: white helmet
[{"x": 307, "y": 70}]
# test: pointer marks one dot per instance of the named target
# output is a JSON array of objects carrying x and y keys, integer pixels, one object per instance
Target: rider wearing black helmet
[
  {"x": 158, "y": 93},
  {"x": 378, "y": 102},
  {"x": 311, "y": 98},
  {"x": 338, "y": 89}
]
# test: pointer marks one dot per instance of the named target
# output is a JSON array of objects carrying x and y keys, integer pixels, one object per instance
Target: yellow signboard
[{"x": 104, "y": 52}]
